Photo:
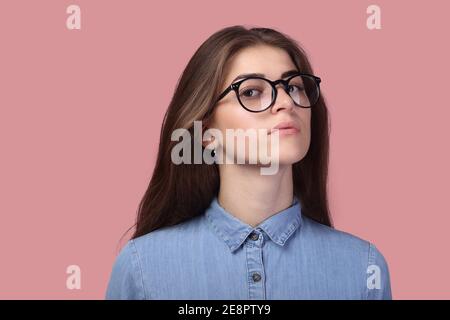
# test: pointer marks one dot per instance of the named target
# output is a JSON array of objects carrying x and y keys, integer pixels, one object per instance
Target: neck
[{"x": 252, "y": 197}]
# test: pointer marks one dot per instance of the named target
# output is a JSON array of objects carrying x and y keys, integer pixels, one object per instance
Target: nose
[{"x": 282, "y": 100}]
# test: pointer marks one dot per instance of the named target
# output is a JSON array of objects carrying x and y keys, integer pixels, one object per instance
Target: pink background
[{"x": 81, "y": 110}]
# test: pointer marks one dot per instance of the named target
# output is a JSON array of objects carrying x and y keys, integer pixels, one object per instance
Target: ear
[{"x": 208, "y": 142}]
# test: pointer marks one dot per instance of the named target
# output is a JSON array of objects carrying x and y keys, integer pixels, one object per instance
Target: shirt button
[
  {"x": 256, "y": 276},
  {"x": 254, "y": 236}
]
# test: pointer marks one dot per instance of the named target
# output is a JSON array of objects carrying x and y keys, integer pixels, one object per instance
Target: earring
[{"x": 213, "y": 153}]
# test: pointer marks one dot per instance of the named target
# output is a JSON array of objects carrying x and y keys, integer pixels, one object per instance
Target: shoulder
[
  {"x": 125, "y": 281},
  {"x": 357, "y": 254},
  {"x": 325, "y": 234},
  {"x": 169, "y": 235},
  {"x": 141, "y": 255}
]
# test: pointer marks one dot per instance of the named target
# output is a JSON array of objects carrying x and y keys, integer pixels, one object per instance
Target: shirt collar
[{"x": 279, "y": 227}]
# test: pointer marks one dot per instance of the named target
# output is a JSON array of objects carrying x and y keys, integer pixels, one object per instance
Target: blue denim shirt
[{"x": 217, "y": 256}]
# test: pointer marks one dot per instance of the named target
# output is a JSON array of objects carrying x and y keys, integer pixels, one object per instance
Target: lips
[{"x": 286, "y": 127}]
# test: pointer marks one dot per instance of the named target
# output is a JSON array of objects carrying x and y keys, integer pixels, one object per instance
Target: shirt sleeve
[
  {"x": 378, "y": 278},
  {"x": 126, "y": 282}
]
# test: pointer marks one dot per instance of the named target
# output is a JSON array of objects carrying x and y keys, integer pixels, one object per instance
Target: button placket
[{"x": 255, "y": 265}]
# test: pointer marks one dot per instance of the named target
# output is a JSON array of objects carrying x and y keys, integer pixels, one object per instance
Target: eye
[
  {"x": 249, "y": 93},
  {"x": 294, "y": 88}
]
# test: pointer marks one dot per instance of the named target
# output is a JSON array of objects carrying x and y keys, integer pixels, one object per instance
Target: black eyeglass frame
[{"x": 235, "y": 87}]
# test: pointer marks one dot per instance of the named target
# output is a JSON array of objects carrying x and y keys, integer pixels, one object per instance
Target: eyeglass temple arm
[
  {"x": 224, "y": 93},
  {"x": 318, "y": 80}
]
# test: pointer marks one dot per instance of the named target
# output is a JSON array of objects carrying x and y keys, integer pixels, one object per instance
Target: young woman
[{"x": 224, "y": 230}]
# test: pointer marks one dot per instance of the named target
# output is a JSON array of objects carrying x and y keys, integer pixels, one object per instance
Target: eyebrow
[{"x": 245, "y": 75}]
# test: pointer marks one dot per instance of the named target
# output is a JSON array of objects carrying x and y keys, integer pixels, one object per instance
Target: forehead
[{"x": 268, "y": 60}]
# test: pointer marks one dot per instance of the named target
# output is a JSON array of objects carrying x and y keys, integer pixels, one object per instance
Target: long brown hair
[{"x": 179, "y": 192}]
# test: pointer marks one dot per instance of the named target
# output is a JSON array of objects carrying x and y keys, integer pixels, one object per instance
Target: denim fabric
[{"x": 217, "y": 256}]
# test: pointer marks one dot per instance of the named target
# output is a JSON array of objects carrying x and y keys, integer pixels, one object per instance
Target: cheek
[{"x": 232, "y": 116}]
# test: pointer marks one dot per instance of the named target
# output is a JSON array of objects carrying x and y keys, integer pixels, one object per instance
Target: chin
[
  {"x": 291, "y": 158},
  {"x": 288, "y": 157},
  {"x": 291, "y": 153}
]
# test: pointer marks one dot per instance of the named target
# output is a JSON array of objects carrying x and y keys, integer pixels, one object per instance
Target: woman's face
[{"x": 229, "y": 114}]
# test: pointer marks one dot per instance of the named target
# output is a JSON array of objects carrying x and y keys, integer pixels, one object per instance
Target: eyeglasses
[{"x": 257, "y": 94}]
